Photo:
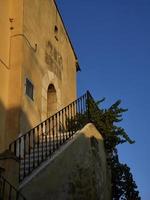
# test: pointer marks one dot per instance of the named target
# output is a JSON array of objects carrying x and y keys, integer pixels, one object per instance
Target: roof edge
[{"x": 77, "y": 63}]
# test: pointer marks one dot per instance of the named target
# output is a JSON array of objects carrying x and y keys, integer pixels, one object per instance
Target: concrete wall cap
[{"x": 90, "y": 130}]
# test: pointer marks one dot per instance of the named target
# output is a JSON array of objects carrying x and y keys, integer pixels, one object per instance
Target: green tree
[{"x": 106, "y": 121}]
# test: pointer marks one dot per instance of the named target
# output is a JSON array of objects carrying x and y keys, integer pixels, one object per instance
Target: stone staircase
[
  {"x": 41, "y": 142},
  {"x": 41, "y": 152},
  {"x": 36, "y": 148}
]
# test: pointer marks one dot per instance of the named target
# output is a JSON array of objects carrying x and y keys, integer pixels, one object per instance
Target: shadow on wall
[
  {"x": 78, "y": 171},
  {"x": 12, "y": 121}
]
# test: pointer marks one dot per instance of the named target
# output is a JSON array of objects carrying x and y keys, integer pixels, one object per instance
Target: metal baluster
[
  {"x": 19, "y": 156},
  {"x": 38, "y": 137},
  {"x": 33, "y": 148},
  {"x": 17, "y": 196},
  {"x": 29, "y": 154},
  {"x": 42, "y": 139},
  {"x": 46, "y": 138},
  {"x": 83, "y": 112},
  {"x": 76, "y": 114},
  {"x": 24, "y": 171},
  {"x": 19, "y": 142},
  {"x": 87, "y": 107},
  {"x": 78, "y": 102},
  {"x": 57, "y": 145},
  {"x": 10, "y": 149},
  {"x": 49, "y": 133},
  {"x": 15, "y": 148},
  {"x": 10, "y": 191},
  {"x": 84, "y": 97},
  {"x": 72, "y": 131},
  {"x": 69, "y": 120},
  {"x": 3, "y": 188},
  {"x": 66, "y": 124},
  {"x": 73, "y": 117},
  {"x": 59, "y": 127},
  {"x": 63, "y": 126},
  {"x": 53, "y": 133},
  {"x": 81, "y": 106},
  {"x": 84, "y": 103}
]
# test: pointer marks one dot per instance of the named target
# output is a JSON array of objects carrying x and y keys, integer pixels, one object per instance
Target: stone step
[
  {"x": 36, "y": 156},
  {"x": 36, "y": 161},
  {"x": 26, "y": 169},
  {"x": 43, "y": 148},
  {"x": 41, "y": 152}
]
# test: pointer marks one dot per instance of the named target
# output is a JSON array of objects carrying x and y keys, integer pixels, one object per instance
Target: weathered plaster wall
[
  {"x": 78, "y": 172},
  {"x": 4, "y": 69},
  {"x": 10, "y": 65},
  {"x": 52, "y": 62},
  {"x": 33, "y": 45},
  {"x": 12, "y": 125}
]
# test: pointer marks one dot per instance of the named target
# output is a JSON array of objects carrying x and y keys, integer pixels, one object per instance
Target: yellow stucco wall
[
  {"x": 53, "y": 62},
  {"x": 34, "y": 45},
  {"x": 4, "y": 66}
]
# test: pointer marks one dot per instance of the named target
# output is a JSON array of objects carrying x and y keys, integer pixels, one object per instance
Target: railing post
[
  {"x": 8, "y": 191},
  {"x": 88, "y": 107},
  {"x": 10, "y": 149}
]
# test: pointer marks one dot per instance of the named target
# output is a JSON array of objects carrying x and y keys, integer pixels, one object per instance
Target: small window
[
  {"x": 29, "y": 88},
  {"x": 56, "y": 32},
  {"x": 56, "y": 29}
]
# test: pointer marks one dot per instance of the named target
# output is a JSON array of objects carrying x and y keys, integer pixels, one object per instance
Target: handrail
[
  {"x": 52, "y": 116},
  {"x": 35, "y": 146},
  {"x": 8, "y": 191}
]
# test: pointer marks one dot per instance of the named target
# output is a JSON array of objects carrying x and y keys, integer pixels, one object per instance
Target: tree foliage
[
  {"x": 123, "y": 185},
  {"x": 106, "y": 120}
]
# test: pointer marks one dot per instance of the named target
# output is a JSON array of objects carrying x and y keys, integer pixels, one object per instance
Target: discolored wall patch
[{"x": 54, "y": 60}]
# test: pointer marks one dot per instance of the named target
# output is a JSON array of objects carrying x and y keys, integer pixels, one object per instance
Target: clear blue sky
[{"x": 112, "y": 41}]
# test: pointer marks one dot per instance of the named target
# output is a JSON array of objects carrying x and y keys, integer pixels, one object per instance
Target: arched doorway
[{"x": 51, "y": 100}]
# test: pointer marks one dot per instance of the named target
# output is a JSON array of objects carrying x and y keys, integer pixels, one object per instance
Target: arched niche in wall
[
  {"x": 51, "y": 100},
  {"x": 50, "y": 87}
]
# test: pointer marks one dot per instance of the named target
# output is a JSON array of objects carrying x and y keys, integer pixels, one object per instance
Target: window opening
[{"x": 29, "y": 88}]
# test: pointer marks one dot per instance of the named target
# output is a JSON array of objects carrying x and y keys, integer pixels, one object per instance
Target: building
[
  {"x": 48, "y": 149},
  {"x": 38, "y": 66}
]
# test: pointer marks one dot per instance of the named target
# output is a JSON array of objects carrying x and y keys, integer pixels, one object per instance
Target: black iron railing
[
  {"x": 9, "y": 192},
  {"x": 41, "y": 142}
]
